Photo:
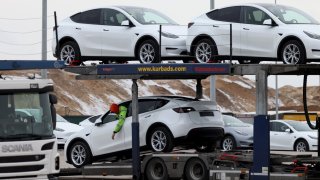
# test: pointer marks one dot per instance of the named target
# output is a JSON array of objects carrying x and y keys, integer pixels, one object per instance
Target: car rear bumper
[{"x": 206, "y": 133}]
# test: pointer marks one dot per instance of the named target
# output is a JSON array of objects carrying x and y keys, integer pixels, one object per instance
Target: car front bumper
[{"x": 173, "y": 47}]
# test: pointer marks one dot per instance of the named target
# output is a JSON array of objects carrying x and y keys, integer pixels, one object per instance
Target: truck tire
[
  {"x": 195, "y": 169},
  {"x": 156, "y": 170}
]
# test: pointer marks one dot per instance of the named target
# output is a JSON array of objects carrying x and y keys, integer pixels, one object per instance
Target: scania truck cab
[{"x": 28, "y": 147}]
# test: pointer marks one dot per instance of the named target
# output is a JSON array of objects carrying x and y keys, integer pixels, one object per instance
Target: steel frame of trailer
[{"x": 261, "y": 155}]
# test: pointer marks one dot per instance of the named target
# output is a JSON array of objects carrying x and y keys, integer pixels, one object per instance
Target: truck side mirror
[{"x": 53, "y": 99}]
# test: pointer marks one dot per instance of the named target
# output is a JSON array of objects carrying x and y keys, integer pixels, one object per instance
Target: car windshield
[
  {"x": 299, "y": 126},
  {"x": 290, "y": 15},
  {"x": 61, "y": 119},
  {"x": 25, "y": 116},
  {"x": 232, "y": 121},
  {"x": 148, "y": 16}
]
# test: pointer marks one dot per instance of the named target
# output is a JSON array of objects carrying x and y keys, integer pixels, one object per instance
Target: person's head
[{"x": 114, "y": 108}]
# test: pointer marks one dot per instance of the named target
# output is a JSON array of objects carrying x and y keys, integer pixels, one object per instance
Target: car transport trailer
[{"x": 261, "y": 166}]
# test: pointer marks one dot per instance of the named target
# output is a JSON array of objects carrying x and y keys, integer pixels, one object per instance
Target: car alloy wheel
[
  {"x": 70, "y": 53},
  {"x": 203, "y": 52},
  {"x": 67, "y": 54},
  {"x": 301, "y": 146},
  {"x": 158, "y": 141},
  {"x": 291, "y": 54},
  {"x": 79, "y": 154},
  {"x": 228, "y": 144},
  {"x": 147, "y": 53}
]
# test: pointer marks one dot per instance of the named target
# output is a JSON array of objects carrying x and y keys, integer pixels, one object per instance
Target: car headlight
[
  {"x": 168, "y": 35},
  {"x": 58, "y": 129},
  {"x": 312, "y": 35},
  {"x": 241, "y": 133},
  {"x": 313, "y": 137}
]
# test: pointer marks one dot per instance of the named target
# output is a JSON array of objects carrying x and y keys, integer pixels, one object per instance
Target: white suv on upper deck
[{"x": 259, "y": 32}]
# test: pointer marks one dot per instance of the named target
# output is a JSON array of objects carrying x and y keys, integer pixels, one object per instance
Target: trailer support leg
[
  {"x": 199, "y": 94},
  {"x": 136, "y": 164},
  {"x": 261, "y": 137}
]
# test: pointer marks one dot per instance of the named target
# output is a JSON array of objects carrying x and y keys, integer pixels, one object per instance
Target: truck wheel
[
  {"x": 160, "y": 140},
  {"x": 196, "y": 170},
  {"x": 156, "y": 170},
  {"x": 79, "y": 154}
]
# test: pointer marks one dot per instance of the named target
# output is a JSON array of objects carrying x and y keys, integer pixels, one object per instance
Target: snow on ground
[
  {"x": 171, "y": 90},
  {"x": 85, "y": 108},
  {"x": 126, "y": 84},
  {"x": 144, "y": 90},
  {"x": 226, "y": 80},
  {"x": 227, "y": 95},
  {"x": 240, "y": 83}
]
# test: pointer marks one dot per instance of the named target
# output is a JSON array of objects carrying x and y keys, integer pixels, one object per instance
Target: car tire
[
  {"x": 156, "y": 170},
  {"x": 160, "y": 140},
  {"x": 79, "y": 154},
  {"x": 70, "y": 53},
  {"x": 196, "y": 169},
  {"x": 204, "y": 146},
  {"x": 248, "y": 61},
  {"x": 148, "y": 52},
  {"x": 205, "y": 51},
  {"x": 292, "y": 52},
  {"x": 228, "y": 143},
  {"x": 301, "y": 146}
]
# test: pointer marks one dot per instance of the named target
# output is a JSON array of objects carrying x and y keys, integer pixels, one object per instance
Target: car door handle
[
  {"x": 246, "y": 29},
  {"x": 215, "y": 26},
  {"x": 105, "y": 29},
  {"x": 148, "y": 116},
  {"x": 77, "y": 28}
]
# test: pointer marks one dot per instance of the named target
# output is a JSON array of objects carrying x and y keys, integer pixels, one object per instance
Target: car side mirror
[
  {"x": 98, "y": 122},
  {"x": 269, "y": 22},
  {"x": 125, "y": 23},
  {"x": 288, "y": 131}
]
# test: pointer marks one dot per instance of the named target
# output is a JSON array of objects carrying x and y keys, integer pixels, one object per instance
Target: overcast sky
[{"x": 21, "y": 39}]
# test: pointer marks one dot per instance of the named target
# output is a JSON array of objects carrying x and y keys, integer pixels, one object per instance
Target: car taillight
[
  {"x": 190, "y": 24},
  {"x": 183, "y": 109}
]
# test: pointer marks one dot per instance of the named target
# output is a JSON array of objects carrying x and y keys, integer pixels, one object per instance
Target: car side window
[
  {"x": 278, "y": 127},
  {"x": 112, "y": 17},
  {"x": 88, "y": 17},
  {"x": 109, "y": 117},
  {"x": 254, "y": 15},
  {"x": 147, "y": 105},
  {"x": 229, "y": 14}
]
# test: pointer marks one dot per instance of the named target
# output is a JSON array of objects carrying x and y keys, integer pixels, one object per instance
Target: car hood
[
  {"x": 311, "y": 28},
  {"x": 179, "y": 30},
  {"x": 70, "y": 127},
  {"x": 245, "y": 129}
]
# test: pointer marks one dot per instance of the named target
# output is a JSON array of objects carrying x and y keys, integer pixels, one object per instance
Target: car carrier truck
[{"x": 28, "y": 147}]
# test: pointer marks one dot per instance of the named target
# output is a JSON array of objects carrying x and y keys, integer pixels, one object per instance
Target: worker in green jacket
[{"x": 121, "y": 112}]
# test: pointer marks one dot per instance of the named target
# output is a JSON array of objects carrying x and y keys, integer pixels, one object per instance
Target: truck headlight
[
  {"x": 312, "y": 35},
  {"x": 168, "y": 35}
]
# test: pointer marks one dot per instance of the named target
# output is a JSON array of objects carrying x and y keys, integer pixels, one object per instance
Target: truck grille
[
  {"x": 16, "y": 159},
  {"x": 14, "y": 169}
]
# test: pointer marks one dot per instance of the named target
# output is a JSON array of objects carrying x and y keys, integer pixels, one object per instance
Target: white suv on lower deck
[{"x": 165, "y": 122}]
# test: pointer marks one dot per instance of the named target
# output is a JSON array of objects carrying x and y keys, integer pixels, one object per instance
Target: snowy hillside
[{"x": 234, "y": 93}]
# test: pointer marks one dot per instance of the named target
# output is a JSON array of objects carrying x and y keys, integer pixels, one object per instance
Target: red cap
[{"x": 114, "y": 108}]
